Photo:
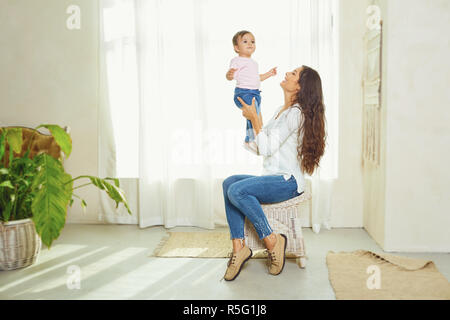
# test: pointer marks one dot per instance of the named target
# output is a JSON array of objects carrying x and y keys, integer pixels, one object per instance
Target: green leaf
[
  {"x": 4, "y": 171},
  {"x": 97, "y": 182},
  {"x": 53, "y": 194},
  {"x": 113, "y": 190},
  {"x": 83, "y": 205},
  {"x": 7, "y": 184},
  {"x": 2, "y": 144},
  {"x": 14, "y": 139},
  {"x": 116, "y": 194},
  {"x": 11, "y": 156},
  {"x": 115, "y": 180},
  {"x": 7, "y": 212},
  {"x": 62, "y": 138}
]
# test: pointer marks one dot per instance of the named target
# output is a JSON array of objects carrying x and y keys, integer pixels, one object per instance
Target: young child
[{"x": 244, "y": 70}]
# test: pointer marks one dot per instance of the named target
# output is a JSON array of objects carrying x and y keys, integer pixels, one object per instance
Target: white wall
[
  {"x": 418, "y": 126},
  {"x": 49, "y": 75},
  {"x": 347, "y": 205},
  {"x": 406, "y": 199}
]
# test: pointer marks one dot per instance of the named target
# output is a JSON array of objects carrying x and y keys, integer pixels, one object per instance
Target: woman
[{"x": 292, "y": 143}]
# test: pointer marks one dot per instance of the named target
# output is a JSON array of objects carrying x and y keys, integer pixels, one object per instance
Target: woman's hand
[{"x": 249, "y": 112}]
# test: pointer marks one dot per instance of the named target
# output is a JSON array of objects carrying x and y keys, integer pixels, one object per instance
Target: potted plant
[{"x": 35, "y": 193}]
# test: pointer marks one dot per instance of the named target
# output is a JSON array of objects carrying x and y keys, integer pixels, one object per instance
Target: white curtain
[
  {"x": 315, "y": 24},
  {"x": 190, "y": 132},
  {"x": 117, "y": 101}
]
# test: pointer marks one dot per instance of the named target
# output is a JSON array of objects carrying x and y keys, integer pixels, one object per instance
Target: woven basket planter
[
  {"x": 284, "y": 218},
  {"x": 19, "y": 244}
]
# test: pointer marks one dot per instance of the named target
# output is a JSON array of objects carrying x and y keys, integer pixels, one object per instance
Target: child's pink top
[{"x": 247, "y": 74}]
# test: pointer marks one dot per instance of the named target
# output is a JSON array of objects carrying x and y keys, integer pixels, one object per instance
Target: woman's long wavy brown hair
[{"x": 310, "y": 98}]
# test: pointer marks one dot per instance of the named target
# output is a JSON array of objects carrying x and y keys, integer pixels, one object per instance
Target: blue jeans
[
  {"x": 247, "y": 95},
  {"x": 243, "y": 196}
]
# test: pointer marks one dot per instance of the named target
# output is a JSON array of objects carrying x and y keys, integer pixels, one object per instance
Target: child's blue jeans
[
  {"x": 243, "y": 196},
  {"x": 247, "y": 95}
]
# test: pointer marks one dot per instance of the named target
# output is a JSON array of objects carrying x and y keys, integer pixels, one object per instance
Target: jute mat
[
  {"x": 207, "y": 244},
  {"x": 352, "y": 274}
]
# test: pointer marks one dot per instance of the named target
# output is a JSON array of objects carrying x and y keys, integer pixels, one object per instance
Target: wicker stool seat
[{"x": 284, "y": 218}]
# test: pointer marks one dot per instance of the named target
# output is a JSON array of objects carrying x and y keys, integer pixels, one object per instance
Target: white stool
[{"x": 284, "y": 218}]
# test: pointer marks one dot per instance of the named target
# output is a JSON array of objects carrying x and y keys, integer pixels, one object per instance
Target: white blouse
[{"x": 277, "y": 142}]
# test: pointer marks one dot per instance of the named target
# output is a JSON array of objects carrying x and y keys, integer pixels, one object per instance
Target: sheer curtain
[
  {"x": 315, "y": 24},
  {"x": 190, "y": 132},
  {"x": 118, "y": 107}
]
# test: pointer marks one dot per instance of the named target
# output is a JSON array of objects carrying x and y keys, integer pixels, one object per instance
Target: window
[{"x": 194, "y": 43}]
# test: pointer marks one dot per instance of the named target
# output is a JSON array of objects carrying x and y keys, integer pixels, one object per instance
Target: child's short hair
[{"x": 237, "y": 36}]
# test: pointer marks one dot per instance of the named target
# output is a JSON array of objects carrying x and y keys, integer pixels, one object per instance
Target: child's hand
[
  {"x": 230, "y": 74},
  {"x": 273, "y": 72}
]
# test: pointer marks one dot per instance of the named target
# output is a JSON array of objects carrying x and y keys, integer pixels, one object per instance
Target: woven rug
[
  {"x": 352, "y": 274},
  {"x": 207, "y": 244}
]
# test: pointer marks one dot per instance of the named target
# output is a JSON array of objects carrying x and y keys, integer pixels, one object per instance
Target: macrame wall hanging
[{"x": 372, "y": 87}]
